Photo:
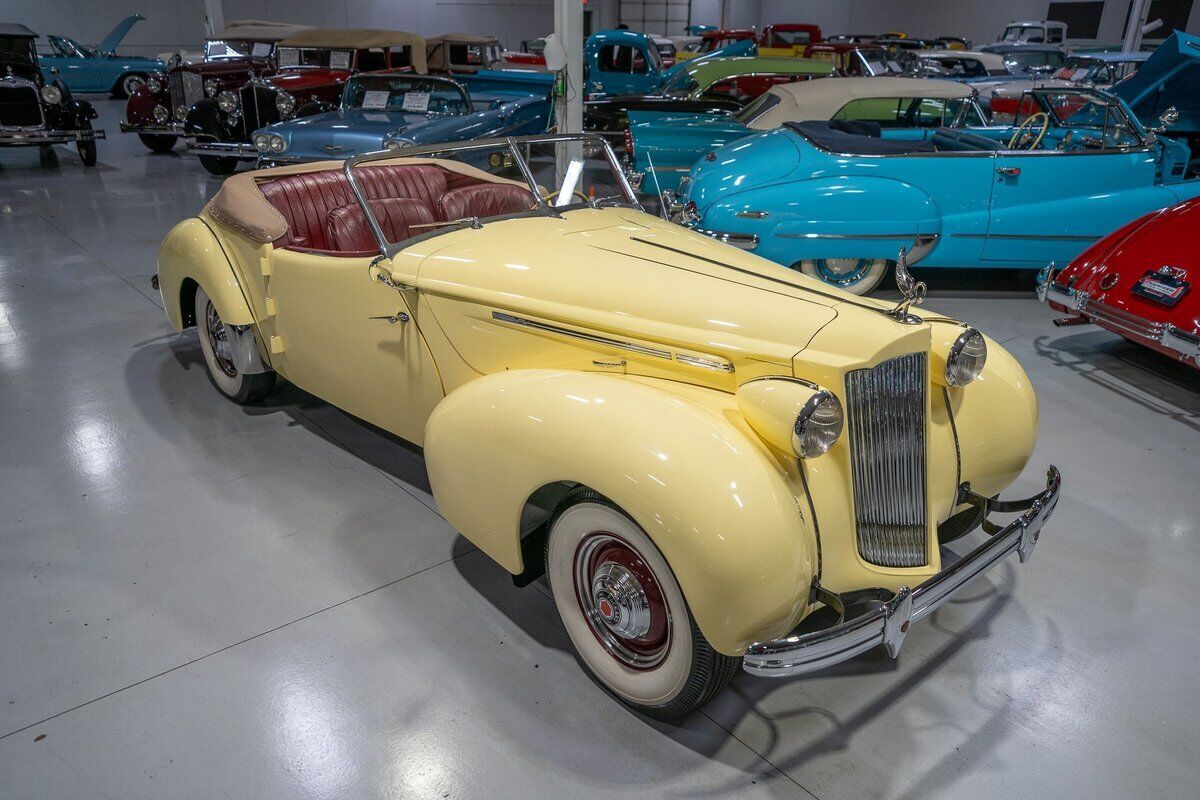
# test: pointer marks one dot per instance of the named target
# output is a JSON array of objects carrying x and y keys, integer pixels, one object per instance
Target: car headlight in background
[
  {"x": 396, "y": 144},
  {"x": 278, "y": 145},
  {"x": 181, "y": 113},
  {"x": 154, "y": 83},
  {"x": 818, "y": 425},
  {"x": 967, "y": 356},
  {"x": 227, "y": 101},
  {"x": 52, "y": 94},
  {"x": 262, "y": 142},
  {"x": 211, "y": 88},
  {"x": 285, "y": 104},
  {"x": 161, "y": 115}
]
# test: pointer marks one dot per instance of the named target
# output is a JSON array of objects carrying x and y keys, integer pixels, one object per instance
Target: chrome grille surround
[
  {"x": 186, "y": 88},
  {"x": 20, "y": 105},
  {"x": 886, "y": 413}
]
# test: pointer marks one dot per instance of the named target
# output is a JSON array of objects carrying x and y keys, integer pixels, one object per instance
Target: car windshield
[
  {"x": 316, "y": 57},
  {"x": 757, "y": 107},
  {"x": 69, "y": 48},
  {"x": 874, "y": 61},
  {"x": 1100, "y": 121},
  {"x": 411, "y": 94},
  {"x": 1023, "y": 33},
  {"x": 217, "y": 49},
  {"x": 912, "y": 112},
  {"x": 561, "y": 173},
  {"x": 1032, "y": 58},
  {"x": 16, "y": 50},
  {"x": 681, "y": 84}
]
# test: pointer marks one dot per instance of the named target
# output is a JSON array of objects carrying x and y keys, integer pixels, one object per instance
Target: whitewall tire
[
  {"x": 229, "y": 380},
  {"x": 625, "y": 613},
  {"x": 855, "y": 275}
]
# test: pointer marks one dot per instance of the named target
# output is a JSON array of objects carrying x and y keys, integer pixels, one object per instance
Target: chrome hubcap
[
  {"x": 842, "y": 271},
  {"x": 620, "y": 601},
  {"x": 218, "y": 340}
]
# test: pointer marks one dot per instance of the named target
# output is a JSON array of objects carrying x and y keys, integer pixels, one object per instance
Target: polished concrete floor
[{"x": 199, "y": 600}]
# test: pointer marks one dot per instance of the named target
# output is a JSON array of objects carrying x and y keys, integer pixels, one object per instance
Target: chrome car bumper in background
[
  {"x": 174, "y": 129},
  {"x": 1177, "y": 340},
  {"x": 888, "y": 621},
  {"x": 18, "y": 138},
  {"x": 240, "y": 150}
]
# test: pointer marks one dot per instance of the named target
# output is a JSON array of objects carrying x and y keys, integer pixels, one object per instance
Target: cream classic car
[{"x": 746, "y": 467}]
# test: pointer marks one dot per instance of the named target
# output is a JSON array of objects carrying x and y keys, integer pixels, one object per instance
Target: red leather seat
[
  {"x": 485, "y": 200},
  {"x": 346, "y": 228}
]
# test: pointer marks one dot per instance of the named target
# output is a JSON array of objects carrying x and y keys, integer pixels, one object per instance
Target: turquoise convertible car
[
  {"x": 84, "y": 69},
  {"x": 838, "y": 199}
]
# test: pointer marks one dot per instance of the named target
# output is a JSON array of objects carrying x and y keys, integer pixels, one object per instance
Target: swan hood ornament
[{"x": 912, "y": 291}]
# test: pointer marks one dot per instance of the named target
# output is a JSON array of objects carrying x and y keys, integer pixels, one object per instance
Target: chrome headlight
[
  {"x": 211, "y": 88},
  {"x": 396, "y": 144},
  {"x": 285, "y": 104},
  {"x": 818, "y": 425},
  {"x": 154, "y": 84},
  {"x": 262, "y": 142},
  {"x": 227, "y": 101},
  {"x": 52, "y": 94},
  {"x": 967, "y": 356},
  {"x": 181, "y": 113},
  {"x": 278, "y": 145},
  {"x": 161, "y": 115}
]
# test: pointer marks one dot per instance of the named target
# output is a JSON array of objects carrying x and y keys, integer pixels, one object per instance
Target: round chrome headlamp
[
  {"x": 52, "y": 94},
  {"x": 818, "y": 425},
  {"x": 392, "y": 144},
  {"x": 278, "y": 145},
  {"x": 181, "y": 113},
  {"x": 227, "y": 101},
  {"x": 967, "y": 356},
  {"x": 211, "y": 88},
  {"x": 285, "y": 104},
  {"x": 161, "y": 115},
  {"x": 262, "y": 142},
  {"x": 154, "y": 84}
]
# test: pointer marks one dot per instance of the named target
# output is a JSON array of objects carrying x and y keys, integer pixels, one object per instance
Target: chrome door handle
[
  {"x": 399, "y": 316},
  {"x": 1008, "y": 172},
  {"x": 333, "y": 148}
]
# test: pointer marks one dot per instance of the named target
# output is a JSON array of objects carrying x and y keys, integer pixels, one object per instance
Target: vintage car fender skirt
[
  {"x": 626, "y": 614},
  {"x": 855, "y": 275}
]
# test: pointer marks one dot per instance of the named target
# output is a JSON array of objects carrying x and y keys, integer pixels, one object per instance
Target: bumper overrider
[
  {"x": 16, "y": 138},
  {"x": 243, "y": 151},
  {"x": 886, "y": 621},
  {"x": 1089, "y": 309}
]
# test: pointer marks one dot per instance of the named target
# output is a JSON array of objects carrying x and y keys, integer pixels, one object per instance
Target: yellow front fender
[
  {"x": 190, "y": 256},
  {"x": 680, "y": 460}
]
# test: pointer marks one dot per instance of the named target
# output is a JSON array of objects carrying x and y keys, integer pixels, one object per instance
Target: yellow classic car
[{"x": 743, "y": 466}]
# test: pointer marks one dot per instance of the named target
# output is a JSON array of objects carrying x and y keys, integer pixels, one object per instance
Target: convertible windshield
[
  {"x": 1091, "y": 70},
  {"x": 757, "y": 107},
  {"x": 556, "y": 174},
  {"x": 413, "y": 94},
  {"x": 1095, "y": 120},
  {"x": 218, "y": 49},
  {"x": 69, "y": 48}
]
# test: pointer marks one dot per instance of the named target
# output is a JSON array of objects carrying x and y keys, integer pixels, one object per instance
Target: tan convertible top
[
  {"x": 256, "y": 30},
  {"x": 360, "y": 39},
  {"x": 241, "y": 206},
  {"x": 822, "y": 99},
  {"x": 469, "y": 38}
]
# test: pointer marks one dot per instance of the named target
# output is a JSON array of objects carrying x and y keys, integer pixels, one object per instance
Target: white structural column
[
  {"x": 214, "y": 14},
  {"x": 568, "y": 26},
  {"x": 1133, "y": 33}
]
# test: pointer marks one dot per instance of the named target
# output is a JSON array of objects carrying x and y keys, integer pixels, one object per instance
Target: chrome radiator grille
[
  {"x": 186, "y": 88},
  {"x": 886, "y": 411},
  {"x": 20, "y": 106}
]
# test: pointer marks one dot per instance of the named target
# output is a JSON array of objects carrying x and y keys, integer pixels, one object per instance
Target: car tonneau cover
[{"x": 856, "y": 137}]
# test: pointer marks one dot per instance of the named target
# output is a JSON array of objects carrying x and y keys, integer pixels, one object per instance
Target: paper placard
[
  {"x": 416, "y": 101},
  {"x": 339, "y": 59},
  {"x": 261, "y": 49},
  {"x": 376, "y": 100},
  {"x": 288, "y": 56}
]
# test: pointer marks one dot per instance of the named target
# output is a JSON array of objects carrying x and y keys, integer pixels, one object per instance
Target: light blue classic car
[
  {"x": 84, "y": 69},
  {"x": 838, "y": 199},
  {"x": 379, "y": 110}
]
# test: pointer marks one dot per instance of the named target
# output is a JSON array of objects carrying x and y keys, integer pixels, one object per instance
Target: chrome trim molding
[
  {"x": 888, "y": 622},
  {"x": 718, "y": 364},
  {"x": 743, "y": 241},
  {"x": 1046, "y": 236},
  {"x": 240, "y": 150},
  {"x": 923, "y": 243}
]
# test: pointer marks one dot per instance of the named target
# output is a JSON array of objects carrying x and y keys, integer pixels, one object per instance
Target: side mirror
[{"x": 1168, "y": 118}]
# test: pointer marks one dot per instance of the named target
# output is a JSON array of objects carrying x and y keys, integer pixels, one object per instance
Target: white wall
[{"x": 169, "y": 24}]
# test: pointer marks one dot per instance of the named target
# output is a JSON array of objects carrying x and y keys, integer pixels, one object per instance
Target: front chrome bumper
[
  {"x": 20, "y": 138},
  {"x": 888, "y": 621},
  {"x": 1183, "y": 343},
  {"x": 244, "y": 151},
  {"x": 172, "y": 129}
]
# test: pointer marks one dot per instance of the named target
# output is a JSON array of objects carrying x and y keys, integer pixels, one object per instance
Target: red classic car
[
  {"x": 1137, "y": 282},
  {"x": 156, "y": 111},
  {"x": 312, "y": 67}
]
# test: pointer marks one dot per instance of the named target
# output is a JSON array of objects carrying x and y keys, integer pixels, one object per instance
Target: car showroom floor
[{"x": 201, "y": 600}]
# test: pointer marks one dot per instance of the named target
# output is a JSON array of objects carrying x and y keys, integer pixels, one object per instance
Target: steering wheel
[
  {"x": 1020, "y": 137},
  {"x": 549, "y": 198}
]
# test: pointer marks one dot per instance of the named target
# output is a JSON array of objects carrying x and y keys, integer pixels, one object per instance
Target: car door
[
  {"x": 1049, "y": 205},
  {"x": 622, "y": 69},
  {"x": 352, "y": 339}
]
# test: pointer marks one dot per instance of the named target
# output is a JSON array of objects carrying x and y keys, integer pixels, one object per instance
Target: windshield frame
[
  {"x": 1112, "y": 103},
  {"x": 513, "y": 144},
  {"x": 362, "y": 77}
]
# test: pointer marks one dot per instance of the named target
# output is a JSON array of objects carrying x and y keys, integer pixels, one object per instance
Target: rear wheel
[
  {"x": 855, "y": 275},
  {"x": 157, "y": 142},
  {"x": 87, "y": 148},
  {"x": 218, "y": 357},
  {"x": 625, "y": 613},
  {"x": 219, "y": 165}
]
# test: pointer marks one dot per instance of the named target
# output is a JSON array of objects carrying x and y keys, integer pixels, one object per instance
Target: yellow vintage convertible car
[{"x": 745, "y": 466}]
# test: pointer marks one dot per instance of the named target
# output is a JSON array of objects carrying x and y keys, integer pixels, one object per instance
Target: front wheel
[
  {"x": 157, "y": 142},
  {"x": 214, "y": 342},
  {"x": 87, "y": 148},
  {"x": 129, "y": 84},
  {"x": 625, "y": 613},
  {"x": 855, "y": 275},
  {"x": 219, "y": 165}
]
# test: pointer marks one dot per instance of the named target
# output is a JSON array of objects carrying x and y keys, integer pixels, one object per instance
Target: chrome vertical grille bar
[{"x": 886, "y": 410}]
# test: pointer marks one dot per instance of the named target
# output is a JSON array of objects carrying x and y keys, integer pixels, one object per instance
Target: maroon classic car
[
  {"x": 311, "y": 68},
  {"x": 156, "y": 111},
  {"x": 1138, "y": 282}
]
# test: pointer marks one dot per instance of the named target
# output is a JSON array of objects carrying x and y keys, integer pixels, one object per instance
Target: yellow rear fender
[
  {"x": 679, "y": 460},
  {"x": 191, "y": 256}
]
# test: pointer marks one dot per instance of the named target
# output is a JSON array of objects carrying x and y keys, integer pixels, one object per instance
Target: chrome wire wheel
[
  {"x": 218, "y": 356},
  {"x": 622, "y": 601},
  {"x": 218, "y": 340}
]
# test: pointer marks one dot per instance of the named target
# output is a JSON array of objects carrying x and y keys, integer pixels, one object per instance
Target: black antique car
[{"x": 33, "y": 112}]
